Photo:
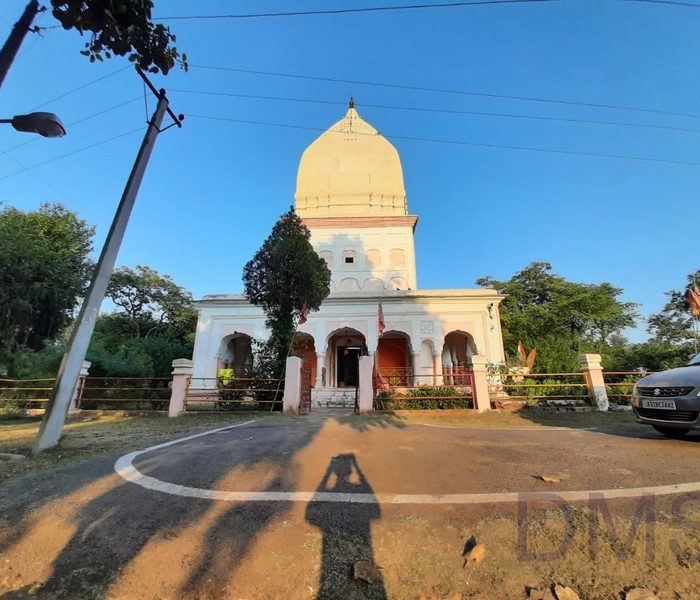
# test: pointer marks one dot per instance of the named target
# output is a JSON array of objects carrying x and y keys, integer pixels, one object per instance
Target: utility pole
[
  {"x": 9, "y": 50},
  {"x": 69, "y": 371}
]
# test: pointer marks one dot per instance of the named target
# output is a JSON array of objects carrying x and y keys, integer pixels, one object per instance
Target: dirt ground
[{"x": 70, "y": 527}]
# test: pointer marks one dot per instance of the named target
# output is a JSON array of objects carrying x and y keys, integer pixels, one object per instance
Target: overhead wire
[
  {"x": 438, "y": 110},
  {"x": 406, "y": 7},
  {"x": 72, "y": 123},
  {"x": 72, "y": 152},
  {"x": 446, "y": 91},
  {"x": 82, "y": 87},
  {"x": 459, "y": 142}
]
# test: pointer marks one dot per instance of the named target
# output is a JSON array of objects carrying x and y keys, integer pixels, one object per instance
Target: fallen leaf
[
  {"x": 367, "y": 571},
  {"x": 549, "y": 478}
]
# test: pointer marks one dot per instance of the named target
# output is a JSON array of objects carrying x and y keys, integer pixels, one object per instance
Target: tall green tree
[
  {"x": 559, "y": 317},
  {"x": 284, "y": 277},
  {"x": 44, "y": 271},
  {"x": 121, "y": 28},
  {"x": 153, "y": 322}
]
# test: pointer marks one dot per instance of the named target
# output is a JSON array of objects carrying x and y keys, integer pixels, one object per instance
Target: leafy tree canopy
[
  {"x": 44, "y": 270},
  {"x": 559, "y": 317},
  {"x": 121, "y": 28},
  {"x": 285, "y": 276},
  {"x": 674, "y": 325},
  {"x": 153, "y": 322}
]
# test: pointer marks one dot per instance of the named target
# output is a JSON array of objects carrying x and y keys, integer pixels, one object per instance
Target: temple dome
[{"x": 350, "y": 170}]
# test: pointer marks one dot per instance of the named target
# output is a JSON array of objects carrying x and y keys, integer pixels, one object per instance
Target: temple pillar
[{"x": 320, "y": 366}]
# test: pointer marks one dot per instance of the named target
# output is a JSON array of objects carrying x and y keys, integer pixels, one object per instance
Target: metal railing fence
[{"x": 234, "y": 393}]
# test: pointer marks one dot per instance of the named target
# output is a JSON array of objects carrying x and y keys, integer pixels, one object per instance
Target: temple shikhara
[{"x": 350, "y": 194}]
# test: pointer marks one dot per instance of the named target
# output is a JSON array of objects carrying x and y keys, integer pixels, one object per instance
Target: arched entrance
[
  {"x": 305, "y": 349},
  {"x": 345, "y": 346},
  {"x": 458, "y": 347},
  {"x": 394, "y": 359},
  {"x": 236, "y": 353}
]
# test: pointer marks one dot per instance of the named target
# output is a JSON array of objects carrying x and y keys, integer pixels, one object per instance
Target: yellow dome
[{"x": 350, "y": 170}]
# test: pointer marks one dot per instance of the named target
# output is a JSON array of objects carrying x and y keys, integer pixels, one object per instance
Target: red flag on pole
[
  {"x": 380, "y": 319},
  {"x": 694, "y": 299},
  {"x": 303, "y": 314}
]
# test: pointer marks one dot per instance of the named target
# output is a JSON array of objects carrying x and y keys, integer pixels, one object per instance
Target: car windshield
[{"x": 695, "y": 360}]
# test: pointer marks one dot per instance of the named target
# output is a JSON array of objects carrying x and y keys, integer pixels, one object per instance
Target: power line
[
  {"x": 460, "y": 142},
  {"x": 71, "y": 153},
  {"x": 345, "y": 11},
  {"x": 446, "y": 91},
  {"x": 81, "y": 120},
  {"x": 376, "y": 9},
  {"x": 82, "y": 87},
  {"x": 439, "y": 110}
]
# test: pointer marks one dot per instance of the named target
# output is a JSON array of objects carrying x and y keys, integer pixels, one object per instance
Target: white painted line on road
[{"x": 126, "y": 469}]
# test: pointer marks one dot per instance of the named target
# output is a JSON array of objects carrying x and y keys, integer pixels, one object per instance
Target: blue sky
[{"x": 214, "y": 189}]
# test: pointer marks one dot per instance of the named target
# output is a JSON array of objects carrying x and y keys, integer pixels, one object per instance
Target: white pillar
[
  {"x": 182, "y": 371},
  {"x": 78, "y": 392},
  {"x": 320, "y": 365},
  {"x": 593, "y": 370},
  {"x": 480, "y": 383},
  {"x": 366, "y": 391},
  {"x": 416, "y": 370},
  {"x": 292, "y": 386},
  {"x": 437, "y": 370}
]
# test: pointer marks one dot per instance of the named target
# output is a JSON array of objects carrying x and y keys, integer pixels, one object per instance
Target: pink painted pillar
[
  {"x": 480, "y": 383},
  {"x": 182, "y": 371}
]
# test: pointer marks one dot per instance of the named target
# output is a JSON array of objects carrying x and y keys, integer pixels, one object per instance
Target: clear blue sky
[{"x": 214, "y": 189}]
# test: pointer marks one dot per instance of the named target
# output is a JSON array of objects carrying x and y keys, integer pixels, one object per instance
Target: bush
[{"x": 422, "y": 398}]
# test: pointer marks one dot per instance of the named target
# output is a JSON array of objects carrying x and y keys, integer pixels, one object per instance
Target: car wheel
[{"x": 672, "y": 432}]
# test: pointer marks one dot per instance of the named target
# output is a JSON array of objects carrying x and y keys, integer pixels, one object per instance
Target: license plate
[{"x": 667, "y": 404}]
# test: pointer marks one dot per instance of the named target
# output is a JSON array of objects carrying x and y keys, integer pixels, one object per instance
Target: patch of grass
[{"x": 525, "y": 419}]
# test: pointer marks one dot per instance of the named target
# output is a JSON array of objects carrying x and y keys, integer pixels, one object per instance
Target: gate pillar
[
  {"x": 182, "y": 371},
  {"x": 292, "y": 386}
]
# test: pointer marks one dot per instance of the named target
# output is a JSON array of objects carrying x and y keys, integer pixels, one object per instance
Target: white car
[{"x": 669, "y": 401}]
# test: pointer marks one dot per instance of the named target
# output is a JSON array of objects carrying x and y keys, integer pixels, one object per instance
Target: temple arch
[
  {"x": 395, "y": 358},
  {"x": 235, "y": 352},
  {"x": 344, "y": 347}
]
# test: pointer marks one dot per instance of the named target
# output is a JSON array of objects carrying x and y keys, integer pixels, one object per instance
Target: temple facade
[{"x": 350, "y": 194}]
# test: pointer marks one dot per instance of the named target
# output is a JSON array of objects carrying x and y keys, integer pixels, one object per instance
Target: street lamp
[{"x": 44, "y": 123}]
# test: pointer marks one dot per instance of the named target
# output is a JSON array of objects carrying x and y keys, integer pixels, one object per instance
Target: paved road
[{"x": 85, "y": 532}]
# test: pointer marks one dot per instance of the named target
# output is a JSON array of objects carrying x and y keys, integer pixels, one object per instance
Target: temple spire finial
[{"x": 352, "y": 102}]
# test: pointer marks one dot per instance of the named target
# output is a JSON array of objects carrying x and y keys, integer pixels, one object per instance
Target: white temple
[{"x": 350, "y": 194}]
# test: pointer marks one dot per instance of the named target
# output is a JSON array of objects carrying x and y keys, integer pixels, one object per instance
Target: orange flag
[
  {"x": 694, "y": 299},
  {"x": 521, "y": 351},
  {"x": 380, "y": 319},
  {"x": 303, "y": 315}
]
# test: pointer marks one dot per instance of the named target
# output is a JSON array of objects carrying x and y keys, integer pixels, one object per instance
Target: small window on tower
[{"x": 349, "y": 257}]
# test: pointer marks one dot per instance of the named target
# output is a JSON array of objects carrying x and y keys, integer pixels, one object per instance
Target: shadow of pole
[{"x": 346, "y": 530}]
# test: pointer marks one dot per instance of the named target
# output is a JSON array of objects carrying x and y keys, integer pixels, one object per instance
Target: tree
[
  {"x": 674, "y": 325},
  {"x": 153, "y": 323},
  {"x": 121, "y": 28},
  {"x": 44, "y": 270},
  {"x": 285, "y": 277},
  {"x": 559, "y": 317},
  {"x": 151, "y": 302}
]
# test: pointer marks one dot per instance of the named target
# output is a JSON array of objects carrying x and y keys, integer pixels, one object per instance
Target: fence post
[
  {"x": 592, "y": 369},
  {"x": 74, "y": 405},
  {"x": 182, "y": 371},
  {"x": 292, "y": 386},
  {"x": 365, "y": 395},
  {"x": 480, "y": 382}
]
